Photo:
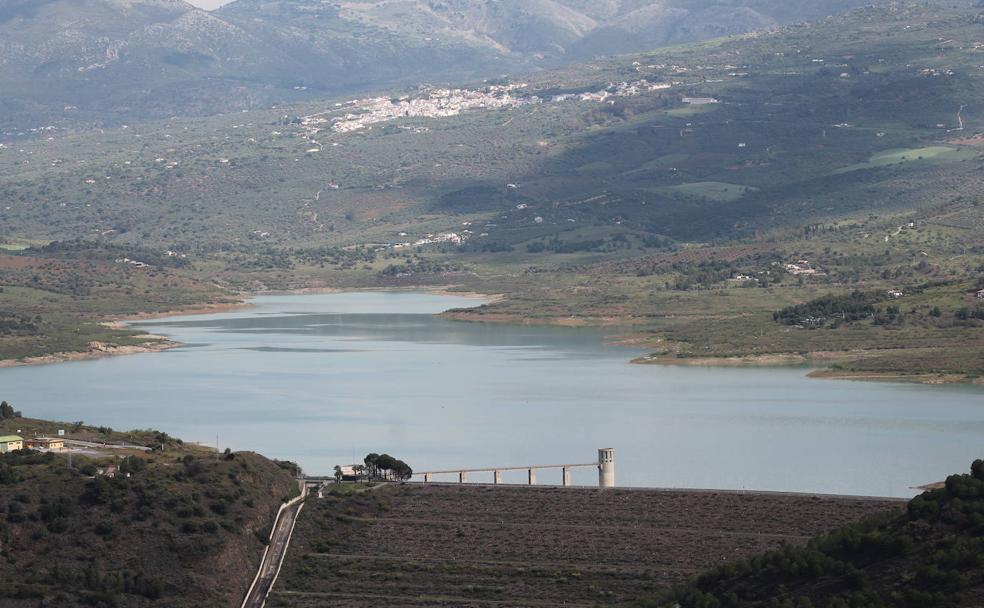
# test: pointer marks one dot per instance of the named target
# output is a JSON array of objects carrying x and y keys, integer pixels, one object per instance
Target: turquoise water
[{"x": 324, "y": 379}]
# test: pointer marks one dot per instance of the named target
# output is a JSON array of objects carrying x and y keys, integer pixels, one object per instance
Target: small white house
[{"x": 980, "y": 295}]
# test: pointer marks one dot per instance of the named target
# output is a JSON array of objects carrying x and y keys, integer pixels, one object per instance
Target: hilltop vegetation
[
  {"x": 929, "y": 556},
  {"x": 175, "y": 526}
]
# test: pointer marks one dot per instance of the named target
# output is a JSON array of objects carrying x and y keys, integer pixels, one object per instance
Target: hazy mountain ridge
[
  {"x": 551, "y": 28},
  {"x": 97, "y": 62}
]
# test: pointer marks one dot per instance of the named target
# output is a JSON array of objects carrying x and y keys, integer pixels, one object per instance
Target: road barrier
[{"x": 266, "y": 550}]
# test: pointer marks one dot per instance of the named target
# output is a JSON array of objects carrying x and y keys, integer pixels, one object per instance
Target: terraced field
[{"x": 416, "y": 545}]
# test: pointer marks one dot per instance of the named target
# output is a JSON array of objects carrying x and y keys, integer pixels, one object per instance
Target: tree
[
  {"x": 7, "y": 411},
  {"x": 384, "y": 466},
  {"x": 338, "y": 474},
  {"x": 371, "y": 465},
  {"x": 402, "y": 471}
]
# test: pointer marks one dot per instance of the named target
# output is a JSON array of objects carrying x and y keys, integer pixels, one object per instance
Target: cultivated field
[{"x": 418, "y": 545}]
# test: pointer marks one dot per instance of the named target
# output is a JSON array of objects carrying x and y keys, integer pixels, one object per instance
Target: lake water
[{"x": 325, "y": 379}]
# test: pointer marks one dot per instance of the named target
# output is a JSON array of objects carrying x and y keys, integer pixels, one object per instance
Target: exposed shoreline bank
[
  {"x": 437, "y": 291},
  {"x": 152, "y": 343},
  {"x": 123, "y": 321},
  {"x": 913, "y": 378},
  {"x": 97, "y": 350}
]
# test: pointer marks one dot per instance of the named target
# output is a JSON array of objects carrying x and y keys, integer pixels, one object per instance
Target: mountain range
[{"x": 99, "y": 62}]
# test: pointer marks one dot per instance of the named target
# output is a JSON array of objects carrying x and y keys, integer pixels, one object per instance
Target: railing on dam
[{"x": 605, "y": 466}]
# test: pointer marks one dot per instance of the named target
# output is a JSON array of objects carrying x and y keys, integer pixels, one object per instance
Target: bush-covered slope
[
  {"x": 931, "y": 556},
  {"x": 181, "y": 527}
]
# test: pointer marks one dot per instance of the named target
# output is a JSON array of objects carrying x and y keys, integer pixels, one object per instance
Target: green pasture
[{"x": 903, "y": 156}]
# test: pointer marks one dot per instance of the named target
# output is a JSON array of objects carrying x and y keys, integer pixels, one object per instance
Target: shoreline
[
  {"x": 97, "y": 350},
  {"x": 776, "y": 360},
  {"x": 431, "y": 290},
  {"x": 927, "y": 378},
  {"x": 156, "y": 343},
  {"x": 816, "y": 360},
  {"x": 512, "y": 319},
  {"x": 123, "y": 321},
  {"x": 152, "y": 343},
  {"x": 818, "y": 372}
]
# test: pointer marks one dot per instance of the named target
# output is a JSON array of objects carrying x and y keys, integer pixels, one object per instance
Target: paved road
[
  {"x": 274, "y": 556},
  {"x": 105, "y": 446}
]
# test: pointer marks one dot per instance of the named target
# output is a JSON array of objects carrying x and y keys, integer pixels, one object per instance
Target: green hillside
[
  {"x": 931, "y": 556},
  {"x": 855, "y": 114},
  {"x": 176, "y": 526}
]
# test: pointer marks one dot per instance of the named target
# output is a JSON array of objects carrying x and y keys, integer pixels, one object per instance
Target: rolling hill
[{"x": 615, "y": 191}]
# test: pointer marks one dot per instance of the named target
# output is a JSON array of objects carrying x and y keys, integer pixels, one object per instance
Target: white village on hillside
[{"x": 444, "y": 102}]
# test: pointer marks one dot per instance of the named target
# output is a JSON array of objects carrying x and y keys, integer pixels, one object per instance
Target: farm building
[
  {"x": 980, "y": 295},
  {"x": 9, "y": 443},
  {"x": 46, "y": 443}
]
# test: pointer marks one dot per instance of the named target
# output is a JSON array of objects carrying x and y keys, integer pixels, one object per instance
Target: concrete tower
[{"x": 606, "y": 468}]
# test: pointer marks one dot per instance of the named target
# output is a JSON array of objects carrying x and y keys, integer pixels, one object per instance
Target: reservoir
[{"x": 325, "y": 379}]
